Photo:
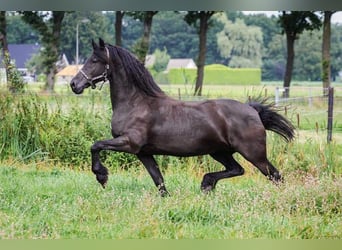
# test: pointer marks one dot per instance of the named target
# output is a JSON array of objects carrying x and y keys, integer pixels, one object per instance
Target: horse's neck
[{"x": 123, "y": 94}]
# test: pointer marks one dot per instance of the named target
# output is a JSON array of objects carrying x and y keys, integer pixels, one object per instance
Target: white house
[{"x": 181, "y": 63}]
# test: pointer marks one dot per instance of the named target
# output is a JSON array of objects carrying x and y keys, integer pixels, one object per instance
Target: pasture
[{"x": 48, "y": 191}]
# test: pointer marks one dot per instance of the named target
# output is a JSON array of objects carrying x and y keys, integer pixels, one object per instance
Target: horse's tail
[{"x": 272, "y": 120}]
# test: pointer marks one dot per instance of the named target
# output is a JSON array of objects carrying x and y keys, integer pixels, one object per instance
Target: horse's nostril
[{"x": 72, "y": 85}]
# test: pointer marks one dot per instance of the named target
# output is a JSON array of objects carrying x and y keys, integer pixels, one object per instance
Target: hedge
[{"x": 217, "y": 74}]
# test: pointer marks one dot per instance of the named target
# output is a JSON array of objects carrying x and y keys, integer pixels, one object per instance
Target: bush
[
  {"x": 14, "y": 80},
  {"x": 33, "y": 128}
]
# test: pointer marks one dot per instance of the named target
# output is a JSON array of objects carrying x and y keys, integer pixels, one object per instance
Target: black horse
[{"x": 147, "y": 122}]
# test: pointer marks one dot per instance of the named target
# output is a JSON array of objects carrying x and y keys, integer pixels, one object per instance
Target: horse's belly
[{"x": 177, "y": 146}]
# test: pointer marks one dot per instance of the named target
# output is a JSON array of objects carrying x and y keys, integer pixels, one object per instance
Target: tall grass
[
  {"x": 62, "y": 129},
  {"x": 55, "y": 128}
]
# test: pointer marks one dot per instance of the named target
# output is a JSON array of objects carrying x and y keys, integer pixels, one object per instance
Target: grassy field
[
  {"x": 54, "y": 203},
  {"x": 48, "y": 191}
]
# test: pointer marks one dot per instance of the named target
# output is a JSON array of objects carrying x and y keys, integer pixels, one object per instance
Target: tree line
[{"x": 300, "y": 45}]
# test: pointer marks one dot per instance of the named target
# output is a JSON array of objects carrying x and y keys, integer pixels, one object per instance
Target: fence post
[
  {"x": 330, "y": 112},
  {"x": 276, "y": 96}
]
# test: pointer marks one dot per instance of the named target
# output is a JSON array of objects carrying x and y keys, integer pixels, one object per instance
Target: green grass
[
  {"x": 55, "y": 203},
  {"x": 47, "y": 190}
]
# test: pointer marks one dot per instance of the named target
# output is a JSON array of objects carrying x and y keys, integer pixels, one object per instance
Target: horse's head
[{"x": 94, "y": 70}]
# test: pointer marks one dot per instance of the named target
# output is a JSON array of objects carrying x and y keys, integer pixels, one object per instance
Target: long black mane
[{"x": 136, "y": 72}]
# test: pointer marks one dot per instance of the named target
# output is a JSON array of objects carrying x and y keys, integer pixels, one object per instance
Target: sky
[{"x": 336, "y": 17}]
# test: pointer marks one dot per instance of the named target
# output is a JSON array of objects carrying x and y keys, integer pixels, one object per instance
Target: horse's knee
[{"x": 239, "y": 171}]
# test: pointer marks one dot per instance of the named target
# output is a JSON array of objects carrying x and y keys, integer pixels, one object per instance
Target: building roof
[
  {"x": 186, "y": 63},
  {"x": 70, "y": 70},
  {"x": 21, "y": 53}
]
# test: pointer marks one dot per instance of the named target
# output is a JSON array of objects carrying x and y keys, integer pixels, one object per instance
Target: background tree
[
  {"x": 161, "y": 60},
  {"x": 274, "y": 60},
  {"x": 293, "y": 23},
  {"x": 3, "y": 40},
  {"x": 240, "y": 44},
  {"x": 48, "y": 25},
  {"x": 118, "y": 27},
  {"x": 307, "y": 63},
  {"x": 200, "y": 20},
  {"x": 98, "y": 25},
  {"x": 18, "y": 31},
  {"x": 15, "y": 82},
  {"x": 336, "y": 50},
  {"x": 141, "y": 47},
  {"x": 326, "y": 72},
  {"x": 171, "y": 32}
]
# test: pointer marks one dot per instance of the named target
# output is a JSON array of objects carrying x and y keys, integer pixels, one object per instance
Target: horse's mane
[{"x": 136, "y": 72}]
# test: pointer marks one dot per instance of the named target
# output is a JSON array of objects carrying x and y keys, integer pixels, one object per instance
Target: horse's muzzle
[{"x": 75, "y": 89}]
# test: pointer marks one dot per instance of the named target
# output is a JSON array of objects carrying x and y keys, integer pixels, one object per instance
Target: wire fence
[
  {"x": 321, "y": 109},
  {"x": 311, "y": 109},
  {"x": 307, "y": 107}
]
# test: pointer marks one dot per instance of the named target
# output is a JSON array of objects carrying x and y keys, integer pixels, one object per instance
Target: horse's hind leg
[
  {"x": 268, "y": 170},
  {"x": 256, "y": 154},
  {"x": 153, "y": 169},
  {"x": 233, "y": 168}
]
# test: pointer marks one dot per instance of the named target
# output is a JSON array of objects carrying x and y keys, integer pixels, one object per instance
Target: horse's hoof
[
  {"x": 102, "y": 179},
  {"x": 207, "y": 189},
  {"x": 164, "y": 193}
]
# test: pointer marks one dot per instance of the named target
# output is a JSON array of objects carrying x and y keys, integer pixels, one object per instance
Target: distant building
[
  {"x": 181, "y": 63},
  {"x": 67, "y": 73},
  {"x": 20, "y": 55}
]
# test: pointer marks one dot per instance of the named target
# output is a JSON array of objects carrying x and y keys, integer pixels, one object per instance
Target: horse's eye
[{"x": 95, "y": 60}]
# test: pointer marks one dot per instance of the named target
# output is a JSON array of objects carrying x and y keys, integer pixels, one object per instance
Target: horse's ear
[
  {"x": 94, "y": 44},
  {"x": 101, "y": 43}
]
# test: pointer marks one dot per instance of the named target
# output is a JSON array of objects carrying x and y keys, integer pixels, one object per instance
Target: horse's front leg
[
  {"x": 153, "y": 169},
  {"x": 121, "y": 144}
]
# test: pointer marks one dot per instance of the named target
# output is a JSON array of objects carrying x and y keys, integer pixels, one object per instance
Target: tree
[
  {"x": 293, "y": 23},
  {"x": 326, "y": 71},
  {"x": 14, "y": 80},
  {"x": 161, "y": 60},
  {"x": 18, "y": 31},
  {"x": 307, "y": 63},
  {"x": 274, "y": 60},
  {"x": 200, "y": 20},
  {"x": 142, "y": 46},
  {"x": 48, "y": 25},
  {"x": 336, "y": 50},
  {"x": 3, "y": 39},
  {"x": 118, "y": 27},
  {"x": 169, "y": 31},
  {"x": 240, "y": 44},
  {"x": 91, "y": 25}
]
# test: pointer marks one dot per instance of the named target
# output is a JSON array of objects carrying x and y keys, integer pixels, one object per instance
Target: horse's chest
[{"x": 122, "y": 124}]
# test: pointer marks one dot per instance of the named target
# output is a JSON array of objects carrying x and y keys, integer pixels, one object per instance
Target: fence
[
  {"x": 327, "y": 101},
  {"x": 308, "y": 107}
]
